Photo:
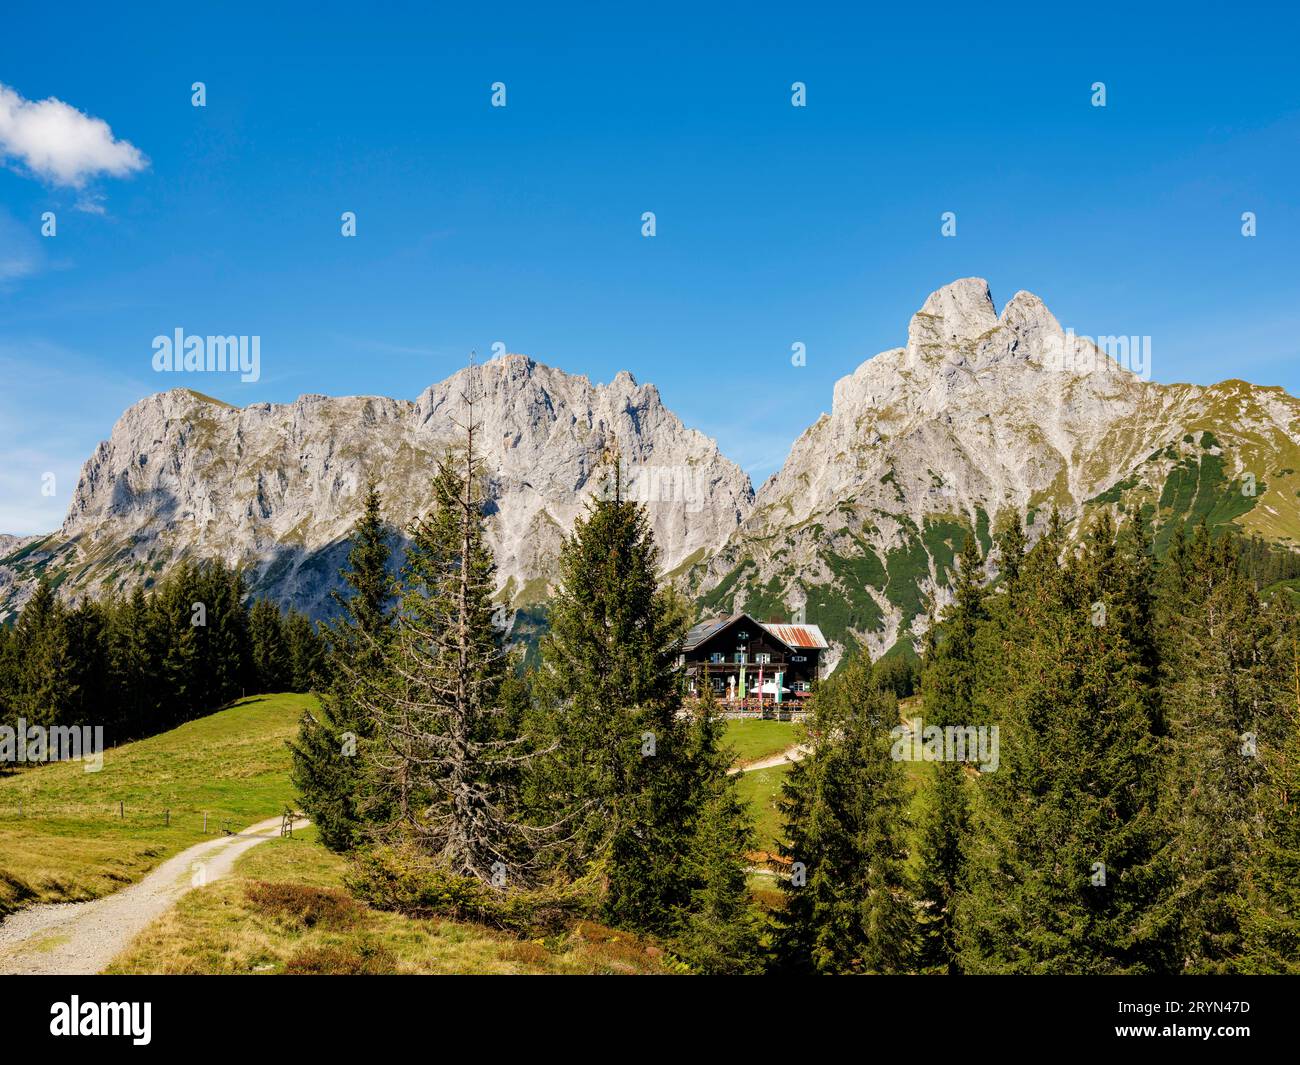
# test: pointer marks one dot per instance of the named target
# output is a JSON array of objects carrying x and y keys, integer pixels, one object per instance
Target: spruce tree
[
  {"x": 227, "y": 669},
  {"x": 1064, "y": 869},
  {"x": 718, "y": 929},
  {"x": 1011, "y": 543},
  {"x": 181, "y": 641},
  {"x": 47, "y": 671},
  {"x": 8, "y": 681},
  {"x": 622, "y": 773},
  {"x": 1001, "y": 607},
  {"x": 272, "y": 666},
  {"x": 307, "y": 665},
  {"x": 941, "y": 838},
  {"x": 1220, "y": 681},
  {"x": 135, "y": 661},
  {"x": 89, "y": 699},
  {"x": 949, "y": 684},
  {"x": 327, "y": 770},
  {"x": 368, "y": 604},
  {"x": 848, "y": 908},
  {"x": 1268, "y": 905},
  {"x": 443, "y": 756}
]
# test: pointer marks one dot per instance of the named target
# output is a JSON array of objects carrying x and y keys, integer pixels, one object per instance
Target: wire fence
[
  {"x": 769, "y": 714},
  {"x": 209, "y": 822}
]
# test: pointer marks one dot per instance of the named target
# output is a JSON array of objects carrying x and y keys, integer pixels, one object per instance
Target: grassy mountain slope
[{"x": 61, "y": 836}]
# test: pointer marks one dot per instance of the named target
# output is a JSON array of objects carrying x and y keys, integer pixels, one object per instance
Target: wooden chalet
[{"x": 739, "y": 654}]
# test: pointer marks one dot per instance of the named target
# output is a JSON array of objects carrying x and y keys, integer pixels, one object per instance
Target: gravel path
[
  {"x": 790, "y": 754},
  {"x": 79, "y": 938}
]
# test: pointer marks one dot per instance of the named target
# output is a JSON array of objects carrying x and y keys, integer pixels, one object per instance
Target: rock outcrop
[
  {"x": 981, "y": 414},
  {"x": 278, "y": 487}
]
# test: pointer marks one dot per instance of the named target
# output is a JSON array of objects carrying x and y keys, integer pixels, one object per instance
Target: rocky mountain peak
[
  {"x": 959, "y": 313},
  {"x": 957, "y": 334},
  {"x": 979, "y": 415},
  {"x": 277, "y": 487},
  {"x": 1026, "y": 311}
]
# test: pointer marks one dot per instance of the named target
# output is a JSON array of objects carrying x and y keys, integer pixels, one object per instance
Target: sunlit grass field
[
  {"x": 285, "y": 911},
  {"x": 70, "y": 843},
  {"x": 754, "y": 740}
]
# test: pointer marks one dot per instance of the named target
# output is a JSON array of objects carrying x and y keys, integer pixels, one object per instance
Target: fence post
[
  {"x": 205, "y": 822},
  {"x": 121, "y": 810},
  {"x": 169, "y": 819}
]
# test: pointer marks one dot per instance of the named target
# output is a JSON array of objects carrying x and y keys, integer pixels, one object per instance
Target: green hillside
[{"x": 61, "y": 835}]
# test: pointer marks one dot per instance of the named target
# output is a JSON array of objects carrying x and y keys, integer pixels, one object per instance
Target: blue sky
[{"x": 522, "y": 224}]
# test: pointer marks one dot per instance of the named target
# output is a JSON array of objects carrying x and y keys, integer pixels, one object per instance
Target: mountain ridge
[
  {"x": 278, "y": 486},
  {"x": 979, "y": 413}
]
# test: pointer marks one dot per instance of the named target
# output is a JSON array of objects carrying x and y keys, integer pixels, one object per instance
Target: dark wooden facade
[{"x": 715, "y": 652}]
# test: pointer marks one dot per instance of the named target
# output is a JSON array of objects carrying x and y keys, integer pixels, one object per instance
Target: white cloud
[
  {"x": 60, "y": 144},
  {"x": 90, "y": 203}
]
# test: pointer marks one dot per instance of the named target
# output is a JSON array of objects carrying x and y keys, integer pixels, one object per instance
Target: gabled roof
[
  {"x": 800, "y": 637},
  {"x": 700, "y": 632}
]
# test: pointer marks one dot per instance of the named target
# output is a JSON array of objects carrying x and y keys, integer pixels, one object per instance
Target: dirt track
[
  {"x": 790, "y": 754},
  {"x": 78, "y": 938}
]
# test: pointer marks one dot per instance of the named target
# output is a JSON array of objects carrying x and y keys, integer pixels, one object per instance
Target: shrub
[
  {"x": 332, "y": 960},
  {"x": 300, "y": 906},
  {"x": 401, "y": 879}
]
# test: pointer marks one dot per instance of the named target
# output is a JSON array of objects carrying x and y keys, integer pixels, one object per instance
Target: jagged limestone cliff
[
  {"x": 978, "y": 414},
  {"x": 278, "y": 487}
]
